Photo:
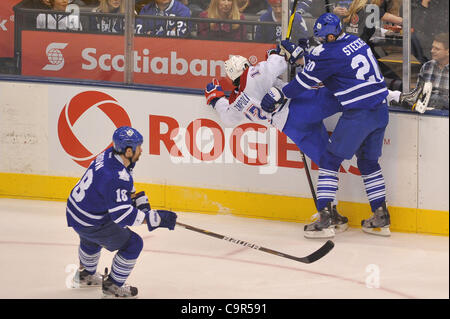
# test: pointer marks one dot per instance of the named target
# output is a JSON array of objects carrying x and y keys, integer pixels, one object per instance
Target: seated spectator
[
  {"x": 223, "y": 10},
  {"x": 272, "y": 34},
  {"x": 58, "y": 21},
  {"x": 436, "y": 72},
  {"x": 109, "y": 24},
  {"x": 164, "y": 28},
  {"x": 423, "y": 32}
]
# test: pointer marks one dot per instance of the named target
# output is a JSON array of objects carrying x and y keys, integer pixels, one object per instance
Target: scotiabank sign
[{"x": 157, "y": 61}]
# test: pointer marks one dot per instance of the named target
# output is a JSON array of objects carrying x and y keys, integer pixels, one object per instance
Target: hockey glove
[
  {"x": 140, "y": 201},
  {"x": 160, "y": 218},
  {"x": 291, "y": 51},
  {"x": 304, "y": 44},
  {"x": 272, "y": 100},
  {"x": 213, "y": 92}
]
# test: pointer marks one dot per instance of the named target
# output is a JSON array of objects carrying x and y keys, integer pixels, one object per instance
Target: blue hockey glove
[
  {"x": 272, "y": 100},
  {"x": 304, "y": 44},
  {"x": 140, "y": 201},
  {"x": 213, "y": 92},
  {"x": 160, "y": 218},
  {"x": 291, "y": 51}
]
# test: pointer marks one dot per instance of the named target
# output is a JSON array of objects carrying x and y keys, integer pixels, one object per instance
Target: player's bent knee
[
  {"x": 367, "y": 166},
  {"x": 330, "y": 161},
  {"x": 133, "y": 247}
]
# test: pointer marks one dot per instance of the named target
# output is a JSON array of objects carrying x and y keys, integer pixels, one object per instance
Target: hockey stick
[
  {"x": 322, "y": 251},
  {"x": 288, "y": 37}
]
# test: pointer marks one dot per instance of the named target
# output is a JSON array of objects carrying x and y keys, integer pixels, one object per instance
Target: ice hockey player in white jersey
[
  {"x": 102, "y": 206},
  {"x": 301, "y": 118}
]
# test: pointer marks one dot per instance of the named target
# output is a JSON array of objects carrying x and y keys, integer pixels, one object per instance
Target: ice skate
[
  {"x": 379, "y": 223},
  {"x": 419, "y": 97},
  {"x": 83, "y": 279},
  {"x": 322, "y": 227},
  {"x": 112, "y": 291},
  {"x": 339, "y": 222}
]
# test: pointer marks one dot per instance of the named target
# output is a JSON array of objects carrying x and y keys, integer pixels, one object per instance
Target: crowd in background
[{"x": 429, "y": 24}]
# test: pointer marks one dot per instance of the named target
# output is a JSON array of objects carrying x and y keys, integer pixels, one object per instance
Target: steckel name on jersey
[
  {"x": 87, "y": 204},
  {"x": 361, "y": 86}
]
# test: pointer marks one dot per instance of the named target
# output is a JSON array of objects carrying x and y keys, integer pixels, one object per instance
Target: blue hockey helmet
[
  {"x": 125, "y": 137},
  {"x": 327, "y": 24}
]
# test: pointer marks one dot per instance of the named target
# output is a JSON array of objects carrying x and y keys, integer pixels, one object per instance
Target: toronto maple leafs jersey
[
  {"x": 103, "y": 194},
  {"x": 348, "y": 68},
  {"x": 164, "y": 28},
  {"x": 244, "y": 104}
]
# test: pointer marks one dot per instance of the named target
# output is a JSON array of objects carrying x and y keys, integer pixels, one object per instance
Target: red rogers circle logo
[{"x": 73, "y": 110}]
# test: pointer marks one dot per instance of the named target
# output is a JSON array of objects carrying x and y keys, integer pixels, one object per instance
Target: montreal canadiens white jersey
[
  {"x": 245, "y": 104},
  {"x": 103, "y": 194}
]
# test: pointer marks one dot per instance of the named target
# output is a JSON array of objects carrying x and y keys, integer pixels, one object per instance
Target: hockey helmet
[
  {"x": 327, "y": 24},
  {"x": 235, "y": 66},
  {"x": 125, "y": 137}
]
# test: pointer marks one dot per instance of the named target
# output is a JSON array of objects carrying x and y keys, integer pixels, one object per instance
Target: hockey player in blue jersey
[
  {"x": 346, "y": 66},
  {"x": 164, "y": 28},
  {"x": 102, "y": 206}
]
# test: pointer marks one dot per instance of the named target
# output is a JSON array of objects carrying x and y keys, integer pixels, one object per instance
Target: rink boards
[{"x": 191, "y": 162}]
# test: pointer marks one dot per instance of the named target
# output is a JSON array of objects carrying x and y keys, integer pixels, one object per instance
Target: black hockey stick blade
[{"x": 322, "y": 251}]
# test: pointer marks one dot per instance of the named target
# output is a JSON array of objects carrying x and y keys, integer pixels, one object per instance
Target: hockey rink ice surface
[{"x": 38, "y": 256}]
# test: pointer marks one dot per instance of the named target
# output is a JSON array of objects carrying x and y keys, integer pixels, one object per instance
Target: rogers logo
[
  {"x": 73, "y": 110},
  {"x": 55, "y": 56}
]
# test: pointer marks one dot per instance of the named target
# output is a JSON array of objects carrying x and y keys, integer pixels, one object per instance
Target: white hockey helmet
[{"x": 235, "y": 66}]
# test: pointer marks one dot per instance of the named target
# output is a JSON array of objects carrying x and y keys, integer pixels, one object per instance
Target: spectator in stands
[
  {"x": 223, "y": 10},
  {"x": 342, "y": 10},
  {"x": 139, "y": 4},
  {"x": 355, "y": 18},
  {"x": 164, "y": 28},
  {"x": 105, "y": 23},
  {"x": 58, "y": 21},
  {"x": 272, "y": 34},
  {"x": 423, "y": 32},
  {"x": 436, "y": 72}
]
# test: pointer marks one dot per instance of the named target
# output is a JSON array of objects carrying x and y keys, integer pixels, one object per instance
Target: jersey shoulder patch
[
  {"x": 123, "y": 175},
  {"x": 317, "y": 50}
]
